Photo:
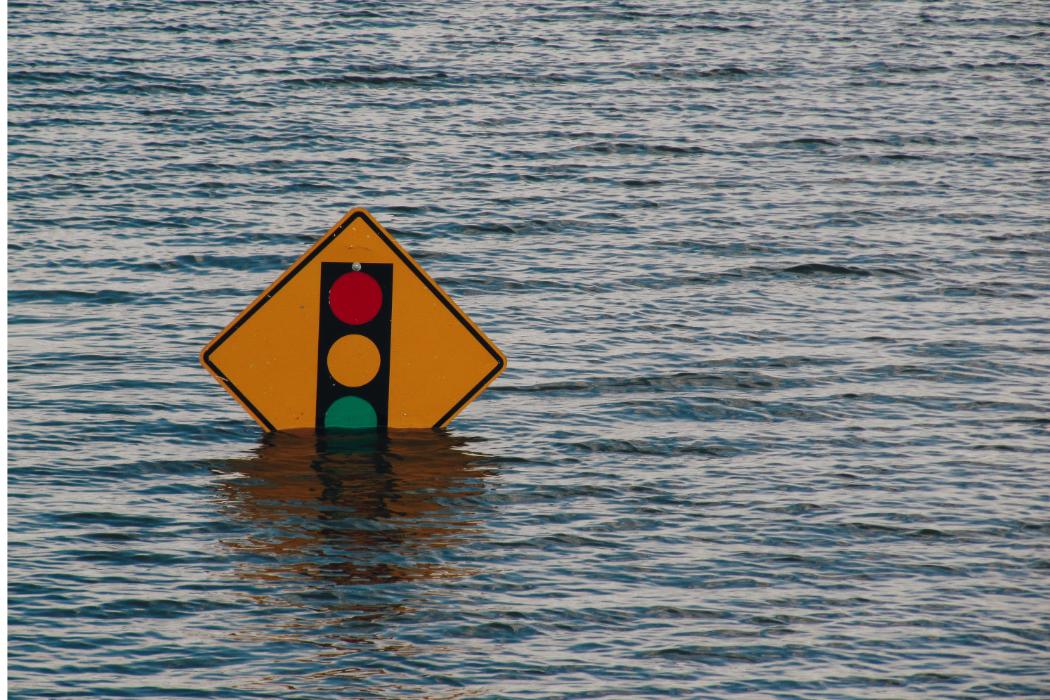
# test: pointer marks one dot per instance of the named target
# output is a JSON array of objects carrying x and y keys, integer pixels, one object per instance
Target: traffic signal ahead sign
[{"x": 354, "y": 335}]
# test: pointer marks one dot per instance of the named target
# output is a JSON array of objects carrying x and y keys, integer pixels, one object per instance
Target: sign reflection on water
[{"x": 353, "y": 508}]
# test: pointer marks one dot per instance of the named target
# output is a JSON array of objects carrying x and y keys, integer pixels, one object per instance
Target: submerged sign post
[{"x": 354, "y": 335}]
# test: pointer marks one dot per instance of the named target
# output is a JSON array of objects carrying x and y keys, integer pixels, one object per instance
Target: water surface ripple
[{"x": 772, "y": 278}]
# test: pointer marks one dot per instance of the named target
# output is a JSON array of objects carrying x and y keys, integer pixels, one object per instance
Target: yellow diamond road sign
[{"x": 354, "y": 335}]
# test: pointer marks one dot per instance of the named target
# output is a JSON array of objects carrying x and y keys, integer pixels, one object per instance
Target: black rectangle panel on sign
[{"x": 348, "y": 311}]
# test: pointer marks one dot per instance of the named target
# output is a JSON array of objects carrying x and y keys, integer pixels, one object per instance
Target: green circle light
[{"x": 351, "y": 413}]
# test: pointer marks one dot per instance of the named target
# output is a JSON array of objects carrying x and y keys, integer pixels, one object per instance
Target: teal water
[{"x": 772, "y": 279}]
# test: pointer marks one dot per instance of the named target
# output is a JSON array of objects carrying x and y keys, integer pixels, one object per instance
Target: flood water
[{"x": 772, "y": 280}]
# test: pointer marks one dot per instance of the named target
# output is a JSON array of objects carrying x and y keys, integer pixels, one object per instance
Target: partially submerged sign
[{"x": 354, "y": 335}]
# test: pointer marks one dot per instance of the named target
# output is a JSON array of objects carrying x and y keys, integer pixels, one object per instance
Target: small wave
[
  {"x": 654, "y": 446},
  {"x": 881, "y": 529},
  {"x": 118, "y": 82},
  {"x": 61, "y": 296},
  {"x": 909, "y": 68},
  {"x": 732, "y": 379},
  {"x": 31, "y": 77},
  {"x": 516, "y": 228},
  {"x": 998, "y": 21},
  {"x": 1002, "y": 290},
  {"x": 366, "y": 79},
  {"x": 807, "y": 142},
  {"x": 110, "y": 519},
  {"x": 886, "y": 157},
  {"x": 630, "y": 147},
  {"x": 825, "y": 269},
  {"x": 672, "y": 72},
  {"x": 921, "y": 139},
  {"x": 710, "y": 27},
  {"x": 204, "y": 262},
  {"x": 734, "y": 653}
]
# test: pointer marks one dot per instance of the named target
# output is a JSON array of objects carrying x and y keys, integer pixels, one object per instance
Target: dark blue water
[{"x": 772, "y": 279}]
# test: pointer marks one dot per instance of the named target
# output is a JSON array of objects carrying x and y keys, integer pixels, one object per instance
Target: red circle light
[{"x": 355, "y": 298}]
